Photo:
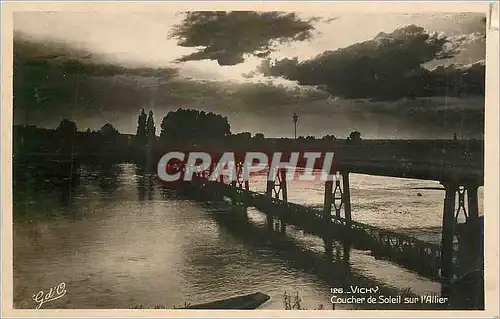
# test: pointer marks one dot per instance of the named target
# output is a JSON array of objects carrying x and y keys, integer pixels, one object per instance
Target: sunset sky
[{"x": 140, "y": 40}]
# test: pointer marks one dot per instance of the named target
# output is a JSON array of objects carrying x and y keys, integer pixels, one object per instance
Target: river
[{"x": 117, "y": 239}]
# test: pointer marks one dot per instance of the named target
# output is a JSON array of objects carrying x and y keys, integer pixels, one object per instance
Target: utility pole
[{"x": 295, "y": 119}]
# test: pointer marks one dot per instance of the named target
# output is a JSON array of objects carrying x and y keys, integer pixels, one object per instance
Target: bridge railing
[{"x": 412, "y": 253}]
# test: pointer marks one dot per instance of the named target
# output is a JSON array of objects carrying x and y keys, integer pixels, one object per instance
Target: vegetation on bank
[
  {"x": 289, "y": 303},
  {"x": 181, "y": 126}
]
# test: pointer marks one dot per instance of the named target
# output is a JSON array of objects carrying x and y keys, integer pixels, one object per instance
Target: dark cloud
[
  {"x": 388, "y": 67},
  {"x": 54, "y": 81},
  {"x": 51, "y": 84},
  {"x": 66, "y": 60},
  {"x": 227, "y": 36}
]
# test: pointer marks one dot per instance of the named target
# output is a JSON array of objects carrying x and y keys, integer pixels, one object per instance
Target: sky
[{"x": 139, "y": 41}]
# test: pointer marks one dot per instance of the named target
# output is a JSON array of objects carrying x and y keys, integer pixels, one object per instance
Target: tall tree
[
  {"x": 141, "y": 127},
  {"x": 259, "y": 136},
  {"x": 194, "y": 125},
  {"x": 354, "y": 136},
  {"x": 150, "y": 128}
]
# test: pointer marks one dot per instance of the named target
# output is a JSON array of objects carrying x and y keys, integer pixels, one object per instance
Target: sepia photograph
[{"x": 273, "y": 159}]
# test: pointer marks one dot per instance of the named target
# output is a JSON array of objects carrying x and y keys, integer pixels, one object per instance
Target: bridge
[
  {"x": 439, "y": 160},
  {"x": 457, "y": 165}
]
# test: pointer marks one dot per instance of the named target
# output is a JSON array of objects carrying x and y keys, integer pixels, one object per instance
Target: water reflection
[
  {"x": 334, "y": 270},
  {"x": 120, "y": 246},
  {"x": 37, "y": 185},
  {"x": 108, "y": 180},
  {"x": 145, "y": 183}
]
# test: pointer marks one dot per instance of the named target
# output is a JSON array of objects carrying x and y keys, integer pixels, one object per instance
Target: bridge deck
[
  {"x": 440, "y": 160},
  {"x": 445, "y": 161}
]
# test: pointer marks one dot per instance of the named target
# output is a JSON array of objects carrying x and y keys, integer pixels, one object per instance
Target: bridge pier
[
  {"x": 347, "y": 196},
  {"x": 327, "y": 208},
  {"x": 339, "y": 197},
  {"x": 327, "y": 219},
  {"x": 276, "y": 187},
  {"x": 240, "y": 180},
  {"x": 239, "y": 183},
  {"x": 467, "y": 232},
  {"x": 448, "y": 234}
]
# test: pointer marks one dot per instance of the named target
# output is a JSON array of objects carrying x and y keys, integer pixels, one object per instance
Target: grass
[
  {"x": 289, "y": 303},
  {"x": 407, "y": 292},
  {"x": 294, "y": 303}
]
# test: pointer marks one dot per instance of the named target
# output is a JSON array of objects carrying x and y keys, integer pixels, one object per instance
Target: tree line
[
  {"x": 199, "y": 126},
  {"x": 182, "y": 125}
]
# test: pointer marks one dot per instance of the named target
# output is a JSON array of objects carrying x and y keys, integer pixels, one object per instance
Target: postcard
[{"x": 188, "y": 159}]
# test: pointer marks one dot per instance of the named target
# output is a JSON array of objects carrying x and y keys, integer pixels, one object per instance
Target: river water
[{"x": 117, "y": 240}]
